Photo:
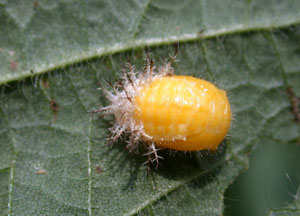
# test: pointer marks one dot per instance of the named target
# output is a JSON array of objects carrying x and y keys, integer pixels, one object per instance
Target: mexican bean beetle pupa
[{"x": 159, "y": 109}]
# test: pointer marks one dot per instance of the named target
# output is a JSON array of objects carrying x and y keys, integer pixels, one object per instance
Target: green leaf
[
  {"x": 53, "y": 160},
  {"x": 269, "y": 184},
  {"x": 38, "y": 36},
  {"x": 290, "y": 210}
]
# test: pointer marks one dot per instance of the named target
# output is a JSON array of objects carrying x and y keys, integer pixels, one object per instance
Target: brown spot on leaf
[
  {"x": 13, "y": 65},
  {"x": 98, "y": 169},
  {"x": 54, "y": 106},
  {"x": 35, "y": 5},
  {"x": 41, "y": 172},
  {"x": 295, "y": 102}
]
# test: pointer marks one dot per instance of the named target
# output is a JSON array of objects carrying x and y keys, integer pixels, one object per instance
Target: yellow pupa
[{"x": 163, "y": 110}]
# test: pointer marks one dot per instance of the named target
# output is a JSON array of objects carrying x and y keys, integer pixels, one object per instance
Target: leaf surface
[{"x": 53, "y": 160}]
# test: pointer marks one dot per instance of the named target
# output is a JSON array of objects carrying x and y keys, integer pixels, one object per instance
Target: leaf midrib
[{"x": 121, "y": 47}]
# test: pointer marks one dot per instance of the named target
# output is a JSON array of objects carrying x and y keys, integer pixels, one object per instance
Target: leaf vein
[
  {"x": 88, "y": 153},
  {"x": 12, "y": 170}
]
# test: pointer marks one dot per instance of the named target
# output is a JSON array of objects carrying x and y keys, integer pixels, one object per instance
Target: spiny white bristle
[
  {"x": 109, "y": 95},
  {"x": 122, "y": 104}
]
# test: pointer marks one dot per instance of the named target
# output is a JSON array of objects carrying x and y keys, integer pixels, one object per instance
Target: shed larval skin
[{"x": 183, "y": 113}]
